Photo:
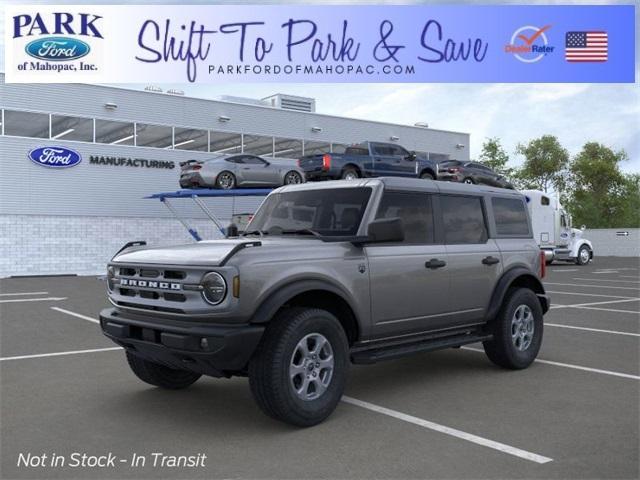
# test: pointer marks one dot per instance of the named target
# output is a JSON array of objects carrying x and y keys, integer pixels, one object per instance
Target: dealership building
[{"x": 130, "y": 143}]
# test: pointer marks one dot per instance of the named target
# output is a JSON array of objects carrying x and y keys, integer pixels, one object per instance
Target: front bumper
[{"x": 180, "y": 345}]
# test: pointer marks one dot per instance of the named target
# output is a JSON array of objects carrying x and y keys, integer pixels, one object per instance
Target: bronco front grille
[{"x": 156, "y": 289}]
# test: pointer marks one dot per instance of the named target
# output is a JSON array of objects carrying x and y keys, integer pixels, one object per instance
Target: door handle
[
  {"x": 490, "y": 260},
  {"x": 435, "y": 263}
]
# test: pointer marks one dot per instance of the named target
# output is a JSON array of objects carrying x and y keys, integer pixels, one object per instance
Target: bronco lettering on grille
[{"x": 130, "y": 282}]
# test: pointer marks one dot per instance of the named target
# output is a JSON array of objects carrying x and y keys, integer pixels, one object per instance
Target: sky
[{"x": 515, "y": 113}]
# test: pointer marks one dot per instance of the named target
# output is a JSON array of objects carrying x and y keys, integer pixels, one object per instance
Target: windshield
[{"x": 327, "y": 212}]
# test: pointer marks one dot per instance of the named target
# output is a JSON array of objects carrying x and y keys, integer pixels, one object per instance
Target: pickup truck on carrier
[{"x": 368, "y": 159}]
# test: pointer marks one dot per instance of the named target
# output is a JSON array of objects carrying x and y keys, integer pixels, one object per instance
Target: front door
[
  {"x": 255, "y": 171},
  {"x": 409, "y": 281}
]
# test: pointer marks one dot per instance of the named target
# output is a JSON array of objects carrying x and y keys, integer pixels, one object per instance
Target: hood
[
  {"x": 202, "y": 253},
  {"x": 576, "y": 233},
  {"x": 209, "y": 252}
]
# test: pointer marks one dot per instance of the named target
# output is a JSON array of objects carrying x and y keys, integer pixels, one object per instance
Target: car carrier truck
[{"x": 553, "y": 230}]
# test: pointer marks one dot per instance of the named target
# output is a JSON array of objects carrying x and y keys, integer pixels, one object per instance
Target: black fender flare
[
  {"x": 506, "y": 281},
  {"x": 279, "y": 296}
]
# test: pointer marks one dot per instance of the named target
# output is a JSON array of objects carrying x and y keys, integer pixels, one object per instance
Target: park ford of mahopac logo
[
  {"x": 53, "y": 40},
  {"x": 55, "y": 157},
  {"x": 57, "y": 49}
]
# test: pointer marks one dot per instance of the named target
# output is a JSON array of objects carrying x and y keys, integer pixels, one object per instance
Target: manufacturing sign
[{"x": 130, "y": 162}]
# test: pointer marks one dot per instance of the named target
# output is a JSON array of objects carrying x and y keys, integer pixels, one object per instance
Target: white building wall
[
  {"x": 612, "y": 242},
  {"x": 53, "y": 245}
]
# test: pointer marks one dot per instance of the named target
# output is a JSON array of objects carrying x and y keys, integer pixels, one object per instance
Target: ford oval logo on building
[
  {"x": 57, "y": 49},
  {"x": 55, "y": 157}
]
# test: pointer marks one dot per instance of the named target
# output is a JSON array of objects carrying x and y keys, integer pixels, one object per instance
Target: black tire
[
  {"x": 583, "y": 258},
  {"x": 225, "y": 180},
  {"x": 501, "y": 350},
  {"x": 468, "y": 181},
  {"x": 289, "y": 178},
  {"x": 350, "y": 173},
  {"x": 427, "y": 176},
  {"x": 269, "y": 368},
  {"x": 548, "y": 262},
  {"x": 159, "y": 375}
]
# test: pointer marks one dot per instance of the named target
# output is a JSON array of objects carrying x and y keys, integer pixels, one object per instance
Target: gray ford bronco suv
[{"x": 329, "y": 274}]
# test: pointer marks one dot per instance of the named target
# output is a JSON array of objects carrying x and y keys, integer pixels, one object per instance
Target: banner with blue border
[{"x": 286, "y": 43}]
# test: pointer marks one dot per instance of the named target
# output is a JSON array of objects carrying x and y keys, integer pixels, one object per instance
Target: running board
[{"x": 380, "y": 354}]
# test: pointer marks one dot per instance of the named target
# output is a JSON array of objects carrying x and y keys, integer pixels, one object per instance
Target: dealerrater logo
[
  {"x": 530, "y": 44},
  {"x": 57, "y": 40}
]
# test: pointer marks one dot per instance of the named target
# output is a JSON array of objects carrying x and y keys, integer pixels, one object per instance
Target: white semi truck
[{"x": 553, "y": 231}]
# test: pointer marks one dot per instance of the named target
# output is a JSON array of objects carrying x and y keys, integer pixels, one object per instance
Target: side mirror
[
  {"x": 411, "y": 156},
  {"x": 583, "y": 228},
  {"x": 385, "y": 230},
  {"x": 232, "y": 230}
]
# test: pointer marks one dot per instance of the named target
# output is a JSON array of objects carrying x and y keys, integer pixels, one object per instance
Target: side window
[
  {"x": 544, "y": 200},
  {"x": 250, "y": 159},
  {"x": 415, "y": 211},
  {"x": 234, "y": 160},
  {"x": 463, "y": 219},
  {"x": 399, "y": 151},
  {"x": 511, "y": 216}
]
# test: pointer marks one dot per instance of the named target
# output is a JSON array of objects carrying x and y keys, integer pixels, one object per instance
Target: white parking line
[
  {"x": 59, "y": 354},
  {"x": 74, "y": 314},
  {"x": 587, "y": 294},
  {"x": 628, "y": 276},
  {"x": 517, "y": 452},
  {"x": 569, "y": 365},
  {"x": 633, "y": 312},
  {"x": 605, "y": 272},
  {"x": 23, "y": 293},
  {"x": 606, "y": 280},
  {"x": 48, "y": 299},
  {"x": 595, "y": 303},
  {"x": 596, "y": 330},
  {"x": 592, "y": 286}
]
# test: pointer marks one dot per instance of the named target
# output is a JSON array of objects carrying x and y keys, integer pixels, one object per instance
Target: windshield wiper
[
  {"x": 303, "y": 231},
  {"x": 255, "y": 232}
]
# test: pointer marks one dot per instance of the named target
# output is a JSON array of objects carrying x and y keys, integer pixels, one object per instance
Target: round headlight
[
  {"x": 111, "y": 273},
  {"x": 214, "y": 288}
]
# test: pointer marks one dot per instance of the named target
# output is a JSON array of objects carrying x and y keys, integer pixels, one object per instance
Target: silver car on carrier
[{"x": 241, "y": 170}]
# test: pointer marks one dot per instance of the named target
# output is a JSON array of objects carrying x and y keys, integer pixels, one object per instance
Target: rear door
[
  {"x": 473, "y": 258},
  {"x": 406, "y": 296},
  {"x": 383, "y": 159}
]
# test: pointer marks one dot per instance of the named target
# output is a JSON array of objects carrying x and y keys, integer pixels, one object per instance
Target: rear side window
[
  {"x": 511, "y": 216},
  {"x": 415, "y": 211},
  {"x": 356, "y": 151},
  {"x": 463, "y": 219}
]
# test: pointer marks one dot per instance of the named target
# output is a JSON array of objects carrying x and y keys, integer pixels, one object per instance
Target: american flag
[{"x": 586, "y": 47}]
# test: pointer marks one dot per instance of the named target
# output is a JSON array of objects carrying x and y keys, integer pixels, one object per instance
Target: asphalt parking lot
[{"x": 449, "y": 414}]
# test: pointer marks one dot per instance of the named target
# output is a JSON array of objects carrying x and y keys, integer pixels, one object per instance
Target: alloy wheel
[
  {"x": 311, "y": 367},
  {"x": 522, "y": 327}
]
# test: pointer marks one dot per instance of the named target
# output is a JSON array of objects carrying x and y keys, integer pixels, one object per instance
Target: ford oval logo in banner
[
  {"x": 57, "y": 49},
  {"x": 55, "y": 157}
]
